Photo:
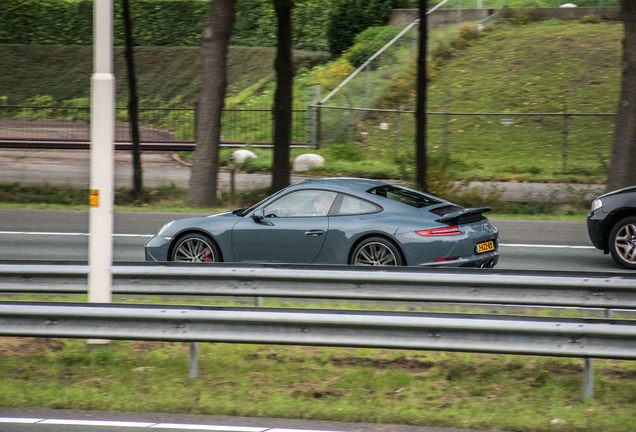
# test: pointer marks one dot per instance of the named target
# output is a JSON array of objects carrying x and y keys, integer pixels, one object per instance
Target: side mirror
[{"x": 258, "y": 215}]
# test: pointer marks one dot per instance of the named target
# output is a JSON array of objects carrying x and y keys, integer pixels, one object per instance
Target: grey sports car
[{"x": 336, "y": 221}]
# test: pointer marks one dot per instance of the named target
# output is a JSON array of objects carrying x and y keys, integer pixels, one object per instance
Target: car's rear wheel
[
  {"x": 622, "y": 243},
  {"x": 376, "y": 251},
  {"x": 196, "y": 248}
]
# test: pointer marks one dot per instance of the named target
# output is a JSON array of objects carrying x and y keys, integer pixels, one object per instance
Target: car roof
[{"x": 342, "y": 183}]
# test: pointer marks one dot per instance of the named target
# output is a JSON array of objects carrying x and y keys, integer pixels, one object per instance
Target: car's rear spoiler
[{"x": 464, "y": 216}]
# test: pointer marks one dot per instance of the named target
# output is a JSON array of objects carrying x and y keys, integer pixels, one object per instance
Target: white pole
[{"x": 100, "y": 244}]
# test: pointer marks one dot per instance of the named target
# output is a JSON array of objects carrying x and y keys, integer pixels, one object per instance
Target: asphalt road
[
  {"x": 38, "y": 420},
  {"x": 62, "y": 235}
]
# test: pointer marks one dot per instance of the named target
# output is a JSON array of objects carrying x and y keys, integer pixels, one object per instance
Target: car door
[{"x": 293, "y": 229}]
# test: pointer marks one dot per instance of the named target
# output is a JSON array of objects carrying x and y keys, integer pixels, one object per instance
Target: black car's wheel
[
  {"x": 622, "y": 243},
  {"x": 376, "y": 251},
  {"x": 196, "y": 248}
]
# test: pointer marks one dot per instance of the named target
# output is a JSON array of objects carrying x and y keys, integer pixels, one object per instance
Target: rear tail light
[
  {"x": 451, "y": 230},
  {"x": 446, "y": 259}
]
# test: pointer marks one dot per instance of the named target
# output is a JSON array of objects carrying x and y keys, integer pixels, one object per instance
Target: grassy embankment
[
  {"x": 480, "y": 391},
  {"x": 551, "y": 66}
]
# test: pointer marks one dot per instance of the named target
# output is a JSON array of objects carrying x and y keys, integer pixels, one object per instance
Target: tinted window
[
  {"x": 352, "y": 205},
  {"x": 405, "y": 196},
  {"x": 302, "y": 204}
]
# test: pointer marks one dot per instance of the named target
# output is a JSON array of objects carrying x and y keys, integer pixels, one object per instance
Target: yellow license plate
[{"x": 485, "y": 247}]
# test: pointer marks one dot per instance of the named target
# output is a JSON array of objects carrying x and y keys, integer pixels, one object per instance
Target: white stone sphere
[
  {"x": 307, "y": 161},
  {"x": 241, "y": 155}
]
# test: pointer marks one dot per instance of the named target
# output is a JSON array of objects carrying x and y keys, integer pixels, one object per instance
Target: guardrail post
[
  {"x": 194, "y": 360},
  {"x": 588, "y": 379}
]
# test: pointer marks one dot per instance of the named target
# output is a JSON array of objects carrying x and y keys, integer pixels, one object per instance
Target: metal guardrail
[
  {"x": 583, "y": 337},
  {"x": 606, "y": 292},
  {"x": 598, "y": 338}
]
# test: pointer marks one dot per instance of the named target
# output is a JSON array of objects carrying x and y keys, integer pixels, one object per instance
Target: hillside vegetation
[
  {"x": 163, "y": 73},
  {"x": 511, "y": 67}
]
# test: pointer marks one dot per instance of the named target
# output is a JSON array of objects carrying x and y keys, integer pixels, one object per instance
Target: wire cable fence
[
  {"x": 240, "y": 124},
  {"x": 560, "y": 143}
]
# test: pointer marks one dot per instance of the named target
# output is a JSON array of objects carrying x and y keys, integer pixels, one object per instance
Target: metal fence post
[
  {"x": 414, "y": 42},
  {"x": 318, "y": 126},
  {"x": 350, "y": 124},
  {"x": 367, "y": 89},
  {"x": 600, "y": 8},
  {"x": 232, "y": 167},
  {"x": 564, "y": 149},
  {"x": 194, "y": 360},
  {"x": 459, "y": 14},
  {"x": 397, "y": 129},
  {"x": 196, "y": 120},
  {"x": 447, "y": 125}
]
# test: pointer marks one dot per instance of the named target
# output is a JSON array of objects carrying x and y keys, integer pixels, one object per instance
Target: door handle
[{"x": 314, "y": 233}]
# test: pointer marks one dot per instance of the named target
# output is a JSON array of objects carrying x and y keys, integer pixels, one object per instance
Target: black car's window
[
  {"x": 406, "y": 196},
  {"x": 303, "y": 203},
  {"x": 349, "y": 205}
]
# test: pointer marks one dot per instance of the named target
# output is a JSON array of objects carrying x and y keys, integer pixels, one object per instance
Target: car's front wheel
[
  {"x": 196, "y": 248},
  {"x": 376, "y": 251},
  {"x": 622, "y": 243}
]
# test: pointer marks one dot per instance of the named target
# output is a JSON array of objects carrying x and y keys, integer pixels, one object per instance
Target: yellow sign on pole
[{"x": 94, "y": 198}]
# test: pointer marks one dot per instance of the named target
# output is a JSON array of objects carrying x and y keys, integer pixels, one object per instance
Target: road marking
[
  {"x": 208, "y": 427},
  {"x": 130, "y": 424},
  {"x": 96, "y": 423},
  {"x": 546, "y": 246},
  {"x": 67, "y": 234},
  {"x": 19, "y": 420},
  {"x": 152, "y": 235}
]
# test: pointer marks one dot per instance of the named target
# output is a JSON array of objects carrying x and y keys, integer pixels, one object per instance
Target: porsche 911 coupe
[{"x": 336, "y": 221}]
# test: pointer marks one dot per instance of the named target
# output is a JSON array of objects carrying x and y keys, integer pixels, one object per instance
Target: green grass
[
  {"x": 173, "y": 199},
  {"x": 502, "y": 392}
]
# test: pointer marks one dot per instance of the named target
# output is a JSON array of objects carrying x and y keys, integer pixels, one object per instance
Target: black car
[{"x": 611, "y": 225}]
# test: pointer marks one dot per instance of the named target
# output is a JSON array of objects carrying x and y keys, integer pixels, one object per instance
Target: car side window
[
  {"x": 304, "y": 203},
  {"x": 351, "y": 206}
]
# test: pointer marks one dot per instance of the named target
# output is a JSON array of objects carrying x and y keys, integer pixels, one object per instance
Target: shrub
[
  {"x": 347, "y": 18},
  {"x": 591, "y": 19},
  {"x": 369, "y": 42}
]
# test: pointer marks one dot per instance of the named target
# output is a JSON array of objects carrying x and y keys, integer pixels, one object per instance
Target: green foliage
[
  {"x": 591, "y": 19},
  {"x": 346, "y": 152},
  {"x": 347, "y": 18},
  {"x": 157, "y": 23},
  {"x": 369, "y": 42}
]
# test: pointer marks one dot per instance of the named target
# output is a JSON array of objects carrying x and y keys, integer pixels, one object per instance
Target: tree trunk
[
  {"x": 283, "y": 97},
  {"x": 420, "y": 110},
  {"x": 622, "y": 171},
  {"x": 214, "y": 43},
  {"x": 133, "y": 103}
]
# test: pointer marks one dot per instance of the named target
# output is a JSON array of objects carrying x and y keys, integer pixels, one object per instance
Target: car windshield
[
  {"x": 405, "y": 196},
  {"x": 255, "y": 206}
]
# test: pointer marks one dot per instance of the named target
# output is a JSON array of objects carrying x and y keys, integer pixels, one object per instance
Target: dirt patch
[
  {"x": 143, "y": 347},
  {"x": 28, "y": 346},
  {"x": 400, "y": 362}
]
